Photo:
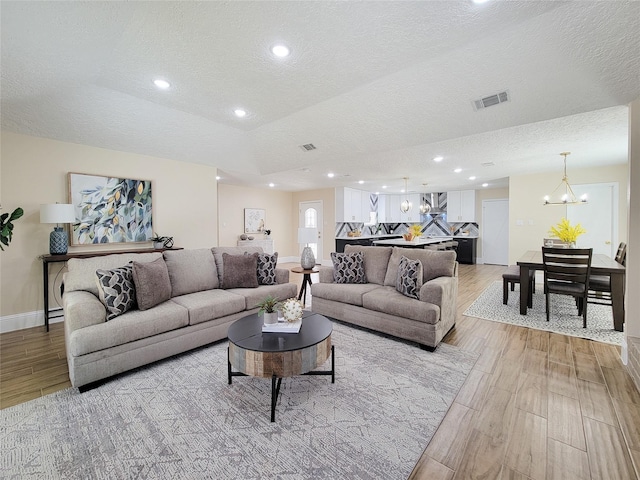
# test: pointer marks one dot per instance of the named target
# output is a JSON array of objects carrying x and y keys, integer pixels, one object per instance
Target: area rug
[
  {"x": 564, "y": 314},
  {"x": 179, "y": 419}
]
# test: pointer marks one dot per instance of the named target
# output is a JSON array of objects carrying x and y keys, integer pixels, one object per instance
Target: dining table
[{"x": 600, "y": 265}]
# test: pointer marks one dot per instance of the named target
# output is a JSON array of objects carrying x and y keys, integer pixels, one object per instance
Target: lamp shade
[
  {"x": 307, "y": 235},
  {"x": 57, "y": 213}
]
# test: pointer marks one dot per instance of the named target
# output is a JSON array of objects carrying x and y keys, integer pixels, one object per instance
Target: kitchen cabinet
[
  {"x": 412, "y": 215},
  {"x": 461, "y": 206},
  {"x": 389, "y": 209},
  {"x": 352, "y": 205},
  {"x": 466, "y": 250}
]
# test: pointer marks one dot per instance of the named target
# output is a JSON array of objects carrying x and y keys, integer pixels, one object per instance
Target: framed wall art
[
  {"x": 254, "y": 220},
  {"x": 110, "y": 209}
]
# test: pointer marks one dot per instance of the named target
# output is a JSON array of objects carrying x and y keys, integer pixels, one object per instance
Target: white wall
[{"x": 34, "y": 171}]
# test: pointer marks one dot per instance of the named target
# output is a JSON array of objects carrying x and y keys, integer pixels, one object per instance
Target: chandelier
[
  {"x": 568, "y": 197},
  {"x": 406, "y": 205},
  {"x": 424, "y": 206}
]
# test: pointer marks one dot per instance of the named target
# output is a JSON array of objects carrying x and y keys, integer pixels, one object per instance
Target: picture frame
[
  {"x": 110, "y": 209},
  {"x": 254, "y": 220}
]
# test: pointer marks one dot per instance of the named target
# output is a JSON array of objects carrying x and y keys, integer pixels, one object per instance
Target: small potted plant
[
  {"x": 158, "y": 241},
  {"x": 269, "y": 308}
]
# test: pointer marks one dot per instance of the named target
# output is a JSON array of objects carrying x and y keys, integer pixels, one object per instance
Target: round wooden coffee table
[{"x": 276, "y": 355}]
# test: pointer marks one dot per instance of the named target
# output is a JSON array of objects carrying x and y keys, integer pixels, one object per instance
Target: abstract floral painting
[
  {"x": 110, "y": 209},
  {"x": 254, "y": 220}
]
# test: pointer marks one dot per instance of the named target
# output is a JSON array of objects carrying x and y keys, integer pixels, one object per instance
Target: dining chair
[
  {"x": 600, "y": 285},
  {"x": 566, "y": 272}
]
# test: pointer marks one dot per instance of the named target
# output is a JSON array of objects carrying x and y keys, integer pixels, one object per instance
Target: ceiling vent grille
[
  {"x": 491, "y": 100},
  {"x": 308, "y": 147},
  {"x": 487, "y": 164}
]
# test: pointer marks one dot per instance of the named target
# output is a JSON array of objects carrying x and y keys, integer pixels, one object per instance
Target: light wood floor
[{"x": 536, "y": 405}]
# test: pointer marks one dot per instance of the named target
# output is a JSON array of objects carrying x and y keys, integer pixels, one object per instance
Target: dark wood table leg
[
  {"x": 524, "y": 289},
  {"x": 306, "y": 280},
  {"x": 45, "y": 284},
  {"x": 617, "y": 301},
  {"x": 275, "y": 391}
]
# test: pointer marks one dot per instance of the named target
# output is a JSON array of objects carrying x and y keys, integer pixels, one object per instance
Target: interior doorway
[
  {"x": 495, "y": 231},
  {"x": 310, "y": 216}
]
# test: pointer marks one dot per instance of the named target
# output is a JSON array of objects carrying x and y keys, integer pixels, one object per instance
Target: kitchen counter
[
  {"x": 419, "y": 242},
  {"x": 367, "y": 237}
]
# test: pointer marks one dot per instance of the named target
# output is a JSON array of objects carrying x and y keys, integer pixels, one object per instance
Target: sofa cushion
[
  {"x": 240, "y": 271},
  {"x": 116, "y": 290},
  {"x": 191, "y": 270},
  {"x": 252, "y": 296},
  {"x": 351, "y": 294},
  {"x": 210, "y": 304},
  {"x": 129, "y": 327},
  {"x": 81, "y": 273},
  {"x": 409, "y": 279},
  {"x": 388, "y": 300},
  {"x": 434, "y": 263},
  {"x": 348, "y": 267},
  {"x": 267, "y": 268},
  {"x": 218, "y": 251},
  {"x": 152, "y": 283},
  {"x": 376, "y": 260}
]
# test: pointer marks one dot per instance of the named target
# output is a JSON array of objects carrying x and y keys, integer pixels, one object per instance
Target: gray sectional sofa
[
  {"x": 197, "y": 313},
  {"x": 378, "y": 305}
]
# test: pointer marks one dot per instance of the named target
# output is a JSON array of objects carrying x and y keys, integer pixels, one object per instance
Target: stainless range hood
[{"x": 437, "y": 202}]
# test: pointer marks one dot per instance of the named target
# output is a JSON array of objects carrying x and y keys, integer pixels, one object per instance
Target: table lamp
[
  {"x": 57, "y": 213},
  {"x": 307, "y": 235}
]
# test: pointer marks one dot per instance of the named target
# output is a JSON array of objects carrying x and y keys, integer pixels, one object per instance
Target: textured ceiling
[{"x": 379, "y": 87}]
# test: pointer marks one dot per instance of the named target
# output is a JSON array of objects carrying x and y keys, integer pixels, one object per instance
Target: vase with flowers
[
  {"x": 415, "y": 231},
  {"x": 566, "y": 232}
]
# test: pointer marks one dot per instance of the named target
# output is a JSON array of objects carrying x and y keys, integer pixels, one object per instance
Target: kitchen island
[{"x": 419, "y": 242}]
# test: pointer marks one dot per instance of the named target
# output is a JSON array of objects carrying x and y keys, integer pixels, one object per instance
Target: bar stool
[{"x": 512, "y": 276}]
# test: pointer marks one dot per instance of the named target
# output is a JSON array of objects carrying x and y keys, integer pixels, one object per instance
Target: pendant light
[
  {"x": 424, "y": 206},
  {"x": 406, "y": 205},
  {"x": 568, "y": 197}
]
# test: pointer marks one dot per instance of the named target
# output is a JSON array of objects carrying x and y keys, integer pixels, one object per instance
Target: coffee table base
[{"x": 277, "y": 381}]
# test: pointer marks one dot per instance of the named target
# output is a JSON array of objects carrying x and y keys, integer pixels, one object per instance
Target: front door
[
  {"x": 310, "y": 216},
  {"x": 495, "y": 232}
]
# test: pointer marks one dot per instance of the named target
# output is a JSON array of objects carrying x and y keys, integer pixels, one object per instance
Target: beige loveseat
[
  {"x": 199, "y": 311},
  {"x": 377, "y": 305}
]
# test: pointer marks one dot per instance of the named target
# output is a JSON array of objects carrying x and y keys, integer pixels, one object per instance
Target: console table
[
  {"x": 266, "y": 244},
  {"x": 47, "y": 259}
]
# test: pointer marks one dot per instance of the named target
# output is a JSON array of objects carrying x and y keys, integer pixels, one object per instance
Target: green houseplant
[
  {"x": 6, "y": 226},
  {"x": 269, "y": 308}
]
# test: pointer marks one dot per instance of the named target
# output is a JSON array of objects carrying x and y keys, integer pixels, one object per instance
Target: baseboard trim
[{"x": 20, "y": 321}]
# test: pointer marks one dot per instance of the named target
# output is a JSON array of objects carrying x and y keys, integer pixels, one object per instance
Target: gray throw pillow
[
  {"x": 267, "y": 268},
  {"x": 240, "y": 271},
  {"x": 348, "y": 267},
  {"x": 409, "y": 279},
  {"x": 152, "y": 283},
  {"x": 116, "y": 290}
]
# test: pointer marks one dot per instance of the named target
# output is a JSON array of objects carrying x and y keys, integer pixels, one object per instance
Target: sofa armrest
[
  {"x": 82, "y": 309},
  {"x": 326, "y": 274},
  {"x": 440, "y": 290},
  {"x": 282, "y": 275}
]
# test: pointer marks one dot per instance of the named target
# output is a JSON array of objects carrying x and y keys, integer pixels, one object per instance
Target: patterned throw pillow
[
  {"x": 267, "y": 268},
  {"x": 409, "y": 278},
  {"x": 117, "y": 290},
  {"x": 348, "y": 267}
]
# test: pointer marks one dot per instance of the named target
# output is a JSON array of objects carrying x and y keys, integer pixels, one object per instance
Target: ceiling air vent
[
  {"x": 308, "y": 147},
  {"x": 491, "y": 100},
  {"x": 487, "y": 164}
]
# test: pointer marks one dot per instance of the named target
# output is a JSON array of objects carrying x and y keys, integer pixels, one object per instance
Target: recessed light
[
  {"x": 485, "y": 184},
  {"x": 239, "y": 112},
  {"x": 280, "y": 51},
  {"x": 360, "y": 182},
  {"x": 384, "y": 186},
  {"x": 377, "y": 193},
  {"x": 439, "y": 158},
  {"x": 402, "y": 190},
  {"x": 472, "y": 177},
  {"x": 457, "y": 170},
  {"x": 218, "y": 177},
  {"x": 330, "y": 175},
  {"x": 162, "y": 84},
  {"x": 478, "y": 2},
  {"x": 272, "y": 185}
]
